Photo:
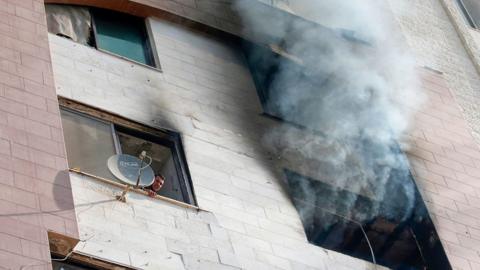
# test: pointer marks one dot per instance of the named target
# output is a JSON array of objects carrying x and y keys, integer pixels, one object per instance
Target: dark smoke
[{"x": 351, "y": 88}]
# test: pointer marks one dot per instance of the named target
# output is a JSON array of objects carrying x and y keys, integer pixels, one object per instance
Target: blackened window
[
  {"x": 90, "y": 141},
  {"x": 266, "y": 66},
  {"x": 471, "y": 9},
  {"x": 283, "y": 84},
  {"x": 114, "y": 32},
  {"x": 396, "y": 228}
]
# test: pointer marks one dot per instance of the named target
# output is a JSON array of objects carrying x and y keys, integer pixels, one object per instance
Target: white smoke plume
[{"x": 356, "y": 92}]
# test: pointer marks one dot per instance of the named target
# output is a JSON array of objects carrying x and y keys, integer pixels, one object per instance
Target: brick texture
[
  {"x": 204, "y": 85},
  {"x": 446, "y": 163},
  {"x": 205, "y": 91},
  {"x": 35, "y": 194}
]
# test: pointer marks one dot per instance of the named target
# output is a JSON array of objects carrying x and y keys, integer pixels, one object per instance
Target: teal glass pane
[{"x": 122, "y": 34}]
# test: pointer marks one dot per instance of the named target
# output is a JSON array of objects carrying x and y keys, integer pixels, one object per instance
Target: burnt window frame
[
  {"x": 274, "y": 55},
  {"x": 420, "y": 237},
  {"x": 163, "y": 137},
  {"x": 263, "y": 84},
  {"x": 149, "y": 47}
]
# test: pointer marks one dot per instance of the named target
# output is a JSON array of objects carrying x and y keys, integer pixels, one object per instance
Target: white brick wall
[{"x": 206, "y": 93}]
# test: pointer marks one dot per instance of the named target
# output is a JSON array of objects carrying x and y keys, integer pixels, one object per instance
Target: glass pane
[
  {"x": 72, "y": 22},
  {"x": 121, "y": 34},
  {"x": 473, "y": 9},
  {"x": 89, "y": 143},
  {"x": 162, "y": 162}
]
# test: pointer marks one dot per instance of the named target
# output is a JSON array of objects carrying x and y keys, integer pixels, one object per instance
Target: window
[
  {"x": 117, "y": 33},
  {"x": 401, "y": 237},
  {"x": 90, "y": 141},
  {"x": 283, "y": 84},
  {"x": 471, "y": 9},
  {"x": 265, "y": 66},
  {"x": 284, "y": 76}
]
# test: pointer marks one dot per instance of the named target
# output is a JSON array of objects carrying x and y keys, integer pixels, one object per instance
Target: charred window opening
[
  {"x": 400, "y": 232},
  {"x": 347, "y": 176},
  {"x": 90, "y": 141},
  {"x": 285, "y": 68},
  {"x": 114, "y": 32},
  {"x": 280, "y": 97},
  {"x": 471, "y": 10}
]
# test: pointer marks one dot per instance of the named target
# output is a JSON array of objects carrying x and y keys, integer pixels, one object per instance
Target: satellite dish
[{"x": 127, "y": 169}]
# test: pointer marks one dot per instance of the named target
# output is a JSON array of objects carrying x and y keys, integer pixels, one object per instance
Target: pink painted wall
[
  {"x": 35, "y": 193},
  {"x": 446, "y": 164}
]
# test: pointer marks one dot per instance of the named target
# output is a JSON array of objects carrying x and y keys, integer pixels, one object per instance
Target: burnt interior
[
  {"x": 397, "y": 224},
  {"x": 401, "y": 237}
]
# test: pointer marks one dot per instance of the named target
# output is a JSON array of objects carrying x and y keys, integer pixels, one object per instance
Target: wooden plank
[
  {"x": 110, "y": 117},
  {"x": 61, "y": 245}
]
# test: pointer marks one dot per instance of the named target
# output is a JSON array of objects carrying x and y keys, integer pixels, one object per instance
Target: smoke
[{"x": 348, "y": 79}]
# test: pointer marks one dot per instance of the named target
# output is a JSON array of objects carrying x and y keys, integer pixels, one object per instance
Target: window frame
[
  {"x": 166, "y": 138},
  {"x": 149, "y": 45},
  {"x": 467, "y": 15}
]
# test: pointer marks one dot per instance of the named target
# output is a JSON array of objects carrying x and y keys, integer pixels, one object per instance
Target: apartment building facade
[{"x": 178, "y": 79}]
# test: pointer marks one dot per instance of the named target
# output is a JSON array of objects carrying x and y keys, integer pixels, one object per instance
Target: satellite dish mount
[{"x": 132, "y": 171}]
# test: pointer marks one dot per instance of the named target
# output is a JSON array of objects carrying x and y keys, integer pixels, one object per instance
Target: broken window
[
  {"x": 90, "y": 141},
  {"x": 114, "y": 32},
  {"x": 396, "y": 229},
  {"x": 471, "y": 9},
  {"x": 283, "y": 86}
]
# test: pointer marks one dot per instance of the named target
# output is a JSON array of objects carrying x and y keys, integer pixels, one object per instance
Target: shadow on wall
[{"x": 59, "y": 203}]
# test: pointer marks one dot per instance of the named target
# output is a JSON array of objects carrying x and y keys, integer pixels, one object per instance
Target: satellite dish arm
[{"x": 142, "y": 157}]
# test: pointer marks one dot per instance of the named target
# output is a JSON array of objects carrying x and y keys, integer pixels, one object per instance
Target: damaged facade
[{"x": 188, "y": 83}]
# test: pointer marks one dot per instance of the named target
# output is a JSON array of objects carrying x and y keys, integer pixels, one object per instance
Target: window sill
[
  {"x": 157, "y": 69},
  {"x": 139, "y": 191}
]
